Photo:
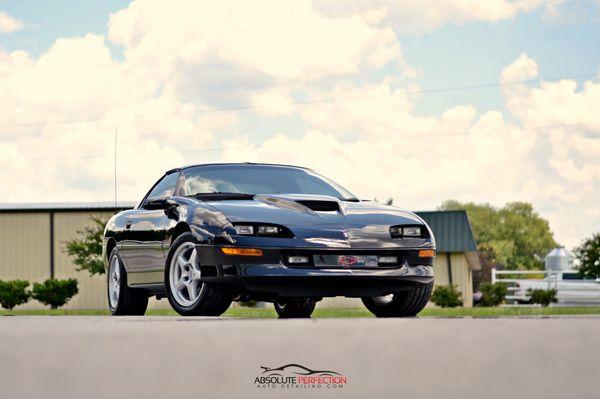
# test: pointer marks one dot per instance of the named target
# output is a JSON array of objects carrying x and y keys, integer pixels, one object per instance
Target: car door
[{"x": 145, "y": 231}]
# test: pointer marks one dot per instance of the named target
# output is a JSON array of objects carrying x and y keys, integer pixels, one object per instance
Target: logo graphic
[
  {"x": 347, "y": 260},
  {"x": 296, "y": 376}
]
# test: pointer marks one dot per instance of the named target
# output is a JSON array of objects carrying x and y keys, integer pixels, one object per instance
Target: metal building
[
  {"x": 33, "y": 236},
  {"x": 456, "y": 250}
]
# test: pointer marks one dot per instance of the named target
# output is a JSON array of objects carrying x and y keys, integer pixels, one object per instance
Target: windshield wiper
[{"x": 351, "y": 199}]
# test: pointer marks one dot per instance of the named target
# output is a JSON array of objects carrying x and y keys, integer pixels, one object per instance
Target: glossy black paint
[{"x": 143, "y": 235}]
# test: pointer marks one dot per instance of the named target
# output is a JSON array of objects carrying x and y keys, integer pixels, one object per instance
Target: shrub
[
  {"x": 492, "y": 294},
  {"x": 55, "y": 292},
  {"x": 541, "y": 296},
  {"x": 249, "y": 304},
  {"x": 446, "y": 296},
  {"x": 13, "y": 293}
]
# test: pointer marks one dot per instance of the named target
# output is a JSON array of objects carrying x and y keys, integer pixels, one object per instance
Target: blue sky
[{"x": 151, "y": 70}]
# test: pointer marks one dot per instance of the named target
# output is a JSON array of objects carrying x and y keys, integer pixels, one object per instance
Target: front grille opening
[
  {"x": 400, "y": 256},
  {"x": 320, "y": 206}
]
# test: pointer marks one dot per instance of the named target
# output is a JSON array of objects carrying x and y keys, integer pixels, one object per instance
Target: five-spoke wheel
[
  {"x": 187, "y": 294},
  {"x": 184, "y": 275}
]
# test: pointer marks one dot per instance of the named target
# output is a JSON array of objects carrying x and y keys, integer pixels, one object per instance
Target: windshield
[{"x": 257, "y": 179}]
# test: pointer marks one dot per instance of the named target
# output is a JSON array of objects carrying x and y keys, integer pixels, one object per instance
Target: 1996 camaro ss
[{"x": 207, "y": 235}]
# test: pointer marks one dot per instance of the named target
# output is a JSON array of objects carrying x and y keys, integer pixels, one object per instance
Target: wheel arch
[
  {"x": 180, "y": 228},
  {"x": 111, "y": 244}
]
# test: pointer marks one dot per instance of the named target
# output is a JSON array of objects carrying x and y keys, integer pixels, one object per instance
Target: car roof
[{"x": 236, "y": 164}]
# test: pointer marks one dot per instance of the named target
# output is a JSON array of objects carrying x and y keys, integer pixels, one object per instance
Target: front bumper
[{"x": 269, "y": 277}]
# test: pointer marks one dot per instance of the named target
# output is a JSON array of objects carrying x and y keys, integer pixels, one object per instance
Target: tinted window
[
  {"x": 257, "y": 179},
  {"x": 165, "y": 187}
]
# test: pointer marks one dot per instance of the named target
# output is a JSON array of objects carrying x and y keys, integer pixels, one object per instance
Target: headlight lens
[
  {"x": 244, "y": 230},
  {"x": 268, "y": 230},
  {"x": 411, "y": 231}
]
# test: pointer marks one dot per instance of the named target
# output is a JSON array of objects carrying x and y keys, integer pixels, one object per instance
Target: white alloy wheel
[
  {"x": 184, "y": 275},
  {"x": 114, "y": 282}
]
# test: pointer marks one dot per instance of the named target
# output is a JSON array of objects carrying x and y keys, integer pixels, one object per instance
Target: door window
[{"x": 164, "y": 188}]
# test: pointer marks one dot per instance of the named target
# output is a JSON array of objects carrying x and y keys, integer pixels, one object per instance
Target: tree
[
  {"x": 55, "y": 292},
  {"x": 86, "y": 249},
  {"x": 588, "y": 254},
  {"x": 516, "y": 236},
  {"x": 13, "y": 293}
]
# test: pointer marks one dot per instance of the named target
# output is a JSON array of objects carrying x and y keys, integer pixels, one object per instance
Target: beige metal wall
[
  {"x": 25, "y": 248},
  {"x": 462, "y": 275},
  {"x": 92, "y": 290},
  {"x": 25, "y": 254}
]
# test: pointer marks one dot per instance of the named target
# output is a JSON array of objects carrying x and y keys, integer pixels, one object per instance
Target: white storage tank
[{"x": 559, "y": 259}]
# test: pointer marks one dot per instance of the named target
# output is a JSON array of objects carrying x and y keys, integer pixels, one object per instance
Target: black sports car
[{"x": 207, "y": 235}]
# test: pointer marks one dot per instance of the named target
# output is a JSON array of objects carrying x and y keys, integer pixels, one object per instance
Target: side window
[{"x": 165, "y": 187}]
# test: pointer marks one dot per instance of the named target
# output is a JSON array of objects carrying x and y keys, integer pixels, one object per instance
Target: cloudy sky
[{"x": 419, "y": 100}]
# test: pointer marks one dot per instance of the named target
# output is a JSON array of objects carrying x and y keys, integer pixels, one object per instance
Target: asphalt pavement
[{"x": 168, "y": 357}]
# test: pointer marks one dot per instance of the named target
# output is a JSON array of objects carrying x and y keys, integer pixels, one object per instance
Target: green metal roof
[{"x": 451, "y": 229}]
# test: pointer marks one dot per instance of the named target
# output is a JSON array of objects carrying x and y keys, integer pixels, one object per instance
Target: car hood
[{"x": 362, "y": 224}]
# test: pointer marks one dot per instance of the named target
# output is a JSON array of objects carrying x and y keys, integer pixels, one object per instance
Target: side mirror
[{"x": 159, "y": 203}]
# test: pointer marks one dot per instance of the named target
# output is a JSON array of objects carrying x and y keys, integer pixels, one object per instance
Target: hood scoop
[{"x": 320, "y": 206}]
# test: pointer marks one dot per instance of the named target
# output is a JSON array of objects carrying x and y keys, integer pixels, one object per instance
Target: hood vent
[{"x": 320, "y": 206}]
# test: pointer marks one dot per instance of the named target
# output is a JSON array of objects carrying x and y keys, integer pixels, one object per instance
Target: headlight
[
  {"x": 262, "y": 230},
  {"x": 407, "y": 231},
  {"x": 244, "y": 230}
]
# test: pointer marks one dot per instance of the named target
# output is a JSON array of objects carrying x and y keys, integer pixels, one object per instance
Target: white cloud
[
  {"x": 9, "y": 24},
  {"x": 427, "y": 15},
  {"x": 290, "y": 41}
]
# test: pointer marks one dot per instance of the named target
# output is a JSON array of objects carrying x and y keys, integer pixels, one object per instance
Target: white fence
[{"x": 570, "y": 288}]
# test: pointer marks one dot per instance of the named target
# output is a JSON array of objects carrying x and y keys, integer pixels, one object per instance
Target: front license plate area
[{"x": 345, "y": 261}]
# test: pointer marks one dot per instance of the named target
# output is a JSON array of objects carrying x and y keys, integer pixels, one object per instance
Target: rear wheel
[
  {"x": 123, "y": 300},
  {"x": 185, "y": 290},
  {"x": 294, "y": 308},
  {"x": 400, "y": 304}
]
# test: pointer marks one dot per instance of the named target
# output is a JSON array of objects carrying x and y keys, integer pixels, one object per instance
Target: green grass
[{"x": 269, "y": 312}]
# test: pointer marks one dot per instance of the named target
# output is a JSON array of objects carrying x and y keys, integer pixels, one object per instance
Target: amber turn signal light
[
  {"x": 426, "y": 253},
  {"x": 242, "y": 251}
]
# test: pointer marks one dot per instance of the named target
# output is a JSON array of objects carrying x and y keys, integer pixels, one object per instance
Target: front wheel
[
  {"x": 294, "y": 308},
  {"x": 187, "y": 294},
  {"x": 401, "y": 304},
  {"x": 123, "y": 300}
]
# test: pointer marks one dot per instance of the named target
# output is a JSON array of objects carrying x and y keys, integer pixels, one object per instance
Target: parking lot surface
[{"x": 168, "y": 357}]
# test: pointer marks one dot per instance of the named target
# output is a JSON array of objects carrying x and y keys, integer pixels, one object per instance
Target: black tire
[
  {"x": 403, "y": 304},
  {"x": 294, "y": 308},
  {"x": 212, "y": 301},
  {"x": 130, "y": 301}
]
